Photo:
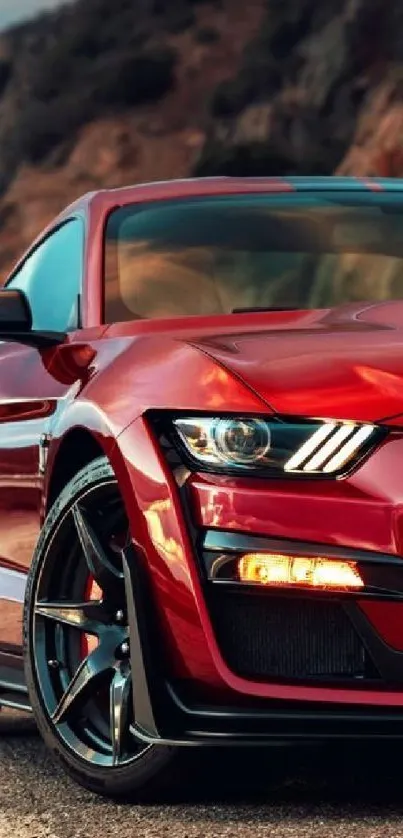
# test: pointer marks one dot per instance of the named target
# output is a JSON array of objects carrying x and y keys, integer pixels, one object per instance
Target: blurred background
[{"x": 100, "y": 93}]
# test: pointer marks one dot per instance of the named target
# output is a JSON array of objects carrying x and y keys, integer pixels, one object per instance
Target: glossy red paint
[
  {"x": 28, "y": 401},
  {"x": 363, "y": 511},
  {"x": 158, "y": 522},
  {"x": 354, "y": 356},
  {"x": 342, "y": 364},
  {"x": 388, "y": 622}
]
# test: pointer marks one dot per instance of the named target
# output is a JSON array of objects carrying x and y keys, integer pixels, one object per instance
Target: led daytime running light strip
[
  {"x": 310, "y": 446},
  {"x": 329, "y": 448},
  {"x": 332, "y": 446},
  {"x": 346, "y": 452}
]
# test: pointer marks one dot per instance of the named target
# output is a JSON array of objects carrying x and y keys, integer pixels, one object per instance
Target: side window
[{"x": 51, "y": 277}]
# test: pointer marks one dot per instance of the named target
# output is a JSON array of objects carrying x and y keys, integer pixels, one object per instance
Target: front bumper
[
  {"x": 165, "y": 715},
  {"x": 363, "y": 513},
  {"x": 211, "y": 726}
]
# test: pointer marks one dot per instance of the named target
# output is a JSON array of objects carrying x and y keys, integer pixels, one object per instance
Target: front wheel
[{"x": 77, "y": 644}]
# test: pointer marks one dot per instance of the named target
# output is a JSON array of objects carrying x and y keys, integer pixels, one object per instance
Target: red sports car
[{"x": 201, "y": 485}]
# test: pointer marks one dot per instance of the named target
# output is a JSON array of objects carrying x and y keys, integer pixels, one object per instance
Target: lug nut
[
  {"x": 119, "y": 616},
  {"x": 53, "y": 664},
  {"x": 125, "y": 649}
]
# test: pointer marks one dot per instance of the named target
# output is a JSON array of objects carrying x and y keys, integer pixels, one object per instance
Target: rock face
[
  {"x": 102, "y": 94},
  {"x": 303, "y": 87}
]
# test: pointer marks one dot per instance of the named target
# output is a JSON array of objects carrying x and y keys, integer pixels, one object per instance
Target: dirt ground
[{"x": 316, "y": 794}]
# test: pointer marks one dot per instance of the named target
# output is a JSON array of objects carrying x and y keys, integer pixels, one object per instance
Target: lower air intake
[{"x": 292, "y": 638}]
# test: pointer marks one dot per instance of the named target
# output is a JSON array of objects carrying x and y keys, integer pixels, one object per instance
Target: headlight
[{"x": 254, "y": 444}]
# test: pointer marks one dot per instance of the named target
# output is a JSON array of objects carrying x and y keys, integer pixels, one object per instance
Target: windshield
[{"x": 212, "y": 256}]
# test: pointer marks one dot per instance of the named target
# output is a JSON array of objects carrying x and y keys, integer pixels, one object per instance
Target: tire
[{"x": 72, "y": 696}]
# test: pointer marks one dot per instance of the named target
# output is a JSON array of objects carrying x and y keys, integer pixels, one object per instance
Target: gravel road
[{"x": 350, "y": 793}]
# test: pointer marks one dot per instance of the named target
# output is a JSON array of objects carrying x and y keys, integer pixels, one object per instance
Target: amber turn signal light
[{"x": 277, "y": 570}]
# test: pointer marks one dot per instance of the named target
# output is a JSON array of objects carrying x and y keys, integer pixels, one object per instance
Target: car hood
[{"x": 342, "y": 363}]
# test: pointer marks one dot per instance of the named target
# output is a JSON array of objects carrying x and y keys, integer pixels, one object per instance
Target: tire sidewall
[{"x": 118, "y": 780}]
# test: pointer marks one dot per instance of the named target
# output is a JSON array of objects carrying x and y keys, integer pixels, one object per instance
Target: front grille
[{"x": 292, "y": 638}]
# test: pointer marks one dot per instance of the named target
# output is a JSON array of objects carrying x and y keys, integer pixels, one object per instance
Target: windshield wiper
[{"x": 251, "y": 309}]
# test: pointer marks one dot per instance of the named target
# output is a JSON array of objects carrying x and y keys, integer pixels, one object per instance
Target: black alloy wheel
[{"x": 77, "y": 644}]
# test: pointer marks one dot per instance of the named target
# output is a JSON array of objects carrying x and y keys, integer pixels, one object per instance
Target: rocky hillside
[{"x": 101, "y": 94}]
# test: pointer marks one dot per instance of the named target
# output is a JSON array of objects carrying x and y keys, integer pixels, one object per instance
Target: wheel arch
[{"x": 76, "y": 449}]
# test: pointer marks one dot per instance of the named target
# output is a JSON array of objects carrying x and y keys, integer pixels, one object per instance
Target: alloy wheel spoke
[
  {"x": 81, "y": 626},
  {"x": 100, "y": 567},
  {"x": 119, "y": 709},
  {"x": 87, "y": 616},
  {"x": 89, "y": 675}
]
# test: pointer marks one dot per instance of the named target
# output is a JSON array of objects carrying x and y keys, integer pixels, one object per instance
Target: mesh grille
[{"x": 275, "y": 637}]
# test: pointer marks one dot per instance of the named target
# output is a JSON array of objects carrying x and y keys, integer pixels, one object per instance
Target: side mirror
[
  {"x": 16, "y": 322},
  {"x": 15, "y": 312}
]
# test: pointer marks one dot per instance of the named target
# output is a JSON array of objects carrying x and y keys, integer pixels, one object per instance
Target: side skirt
[{"x": 13, "y": 689}]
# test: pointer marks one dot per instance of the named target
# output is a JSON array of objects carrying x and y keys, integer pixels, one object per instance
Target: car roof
[
  {"x": 193, "y": 187},
  {"x": 105, "y": 200}
]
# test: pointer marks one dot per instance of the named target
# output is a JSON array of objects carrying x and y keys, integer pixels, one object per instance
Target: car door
[{"x": 30, "y": 396}]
